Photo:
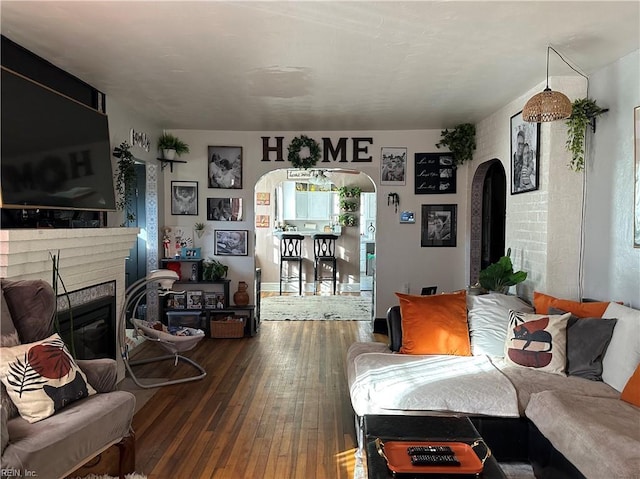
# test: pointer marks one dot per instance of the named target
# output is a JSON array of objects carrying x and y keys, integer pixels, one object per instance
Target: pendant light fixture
[{"x": 548, "y": 105}]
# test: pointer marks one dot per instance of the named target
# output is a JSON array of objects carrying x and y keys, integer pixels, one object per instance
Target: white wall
[
  {"x": 400, "y": 258},
  {"x": 611, "y": 263}
]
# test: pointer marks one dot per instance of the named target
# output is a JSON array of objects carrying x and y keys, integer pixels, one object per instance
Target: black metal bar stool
[
  {"x": 324, "y": 251},
  {"x": 291, "y": 251}
]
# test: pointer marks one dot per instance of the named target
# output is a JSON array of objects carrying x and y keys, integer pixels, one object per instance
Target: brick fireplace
[{"x": 89, "y": 258}]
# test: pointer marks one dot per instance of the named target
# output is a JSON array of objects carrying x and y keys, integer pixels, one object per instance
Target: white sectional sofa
[{"x": 566, "y": 425}]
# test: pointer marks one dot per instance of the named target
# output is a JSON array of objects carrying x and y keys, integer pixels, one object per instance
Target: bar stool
[
  {"x": 324, "y": 251},
  {"x": 291, "y": 251}
]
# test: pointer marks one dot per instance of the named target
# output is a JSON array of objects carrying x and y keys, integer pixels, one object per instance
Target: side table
[{"x": 420, "y": 428}]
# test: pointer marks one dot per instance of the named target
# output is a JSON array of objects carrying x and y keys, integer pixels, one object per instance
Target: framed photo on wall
[
  {"x": 224, "y": 209},
  {"x": 525, "y": 155},
  {"x": 231, "y": 242},
  {"x": 184, "y": 198},
  {"x": 225, "y": 167},
  {"x": 393, "y": 166},
  {"x": 636, "y": 159},
  {"x": 435, "y": 174},
  {"x": 439, "y": 225}
]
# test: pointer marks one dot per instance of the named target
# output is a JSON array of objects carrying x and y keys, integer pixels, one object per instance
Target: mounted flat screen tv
[{"x": 55, "y": 151}]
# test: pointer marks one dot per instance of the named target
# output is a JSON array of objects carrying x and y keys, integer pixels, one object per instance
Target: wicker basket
[{"x": 228, "y": 329}]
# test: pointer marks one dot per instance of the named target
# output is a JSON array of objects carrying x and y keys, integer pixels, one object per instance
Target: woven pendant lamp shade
[{"x": 547, "y": 105}]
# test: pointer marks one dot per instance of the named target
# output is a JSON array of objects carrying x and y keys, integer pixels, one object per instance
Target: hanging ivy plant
[
  {"x": 461, "y": 141},
  {"x": 296, "y": 145},
  {"x": 125, "y": 181},
  {"x": 583, "y": 113}
]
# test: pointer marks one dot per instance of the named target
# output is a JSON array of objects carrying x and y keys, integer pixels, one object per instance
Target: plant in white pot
[{"x": 170, "y": 146}]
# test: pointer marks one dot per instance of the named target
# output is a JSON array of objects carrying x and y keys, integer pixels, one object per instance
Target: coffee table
[{"x": 420, "y": 428}]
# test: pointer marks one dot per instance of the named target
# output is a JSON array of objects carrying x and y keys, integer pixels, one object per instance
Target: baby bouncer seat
[{"x": 172, "y": 342}]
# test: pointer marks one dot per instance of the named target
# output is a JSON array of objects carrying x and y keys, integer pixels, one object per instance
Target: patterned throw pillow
[
  {"x": 41, "y": 378},
  {"x": 537, "y": 341}
]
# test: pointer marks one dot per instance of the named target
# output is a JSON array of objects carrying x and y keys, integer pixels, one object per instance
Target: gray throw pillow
[{"x": 587, "y": 342}]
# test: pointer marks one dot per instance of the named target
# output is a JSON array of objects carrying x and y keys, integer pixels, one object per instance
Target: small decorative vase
[
  {"x": 241, "y": 297},
  {"x": 169, "y": 154}
]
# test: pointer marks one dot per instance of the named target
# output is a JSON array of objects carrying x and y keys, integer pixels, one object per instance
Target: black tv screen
[{"x": 55, "y": 152}]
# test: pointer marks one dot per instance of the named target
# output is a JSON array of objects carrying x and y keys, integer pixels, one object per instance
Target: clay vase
[{"x": 241, "y": 297}]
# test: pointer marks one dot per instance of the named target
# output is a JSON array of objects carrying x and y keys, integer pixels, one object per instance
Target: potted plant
[
  {"x": 213, "y": 270},
  {"x": 171, "y": 145},
  {"x": 347, "y": 219},
  {"x": 461, "y": 141},
  {"x": 349, "y": 191},
  {"x": 199, "y": 227},
  {"x": 500, "y": 276},
  {"x": 583, "y": 113},
  {"x": 125, "y": 181}
]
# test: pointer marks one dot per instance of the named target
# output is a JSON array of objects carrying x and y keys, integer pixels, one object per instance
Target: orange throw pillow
[
  {"x": 435, "y": 324},
  {"x": 631, "y": 392},
  {"x": 593, "y": 309}
]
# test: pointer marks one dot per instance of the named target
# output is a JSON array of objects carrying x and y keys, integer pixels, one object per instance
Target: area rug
[{"x": 315, "y": 308}]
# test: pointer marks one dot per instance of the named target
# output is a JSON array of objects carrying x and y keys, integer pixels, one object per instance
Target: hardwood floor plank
[{"x": 274, "y": 406}]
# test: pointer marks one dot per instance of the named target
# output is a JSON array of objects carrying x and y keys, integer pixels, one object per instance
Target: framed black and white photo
[
  {"x": 225, "y": 167},
  {"x": 194, "y": 299},
  {"x": 525, "y": 155},
  {"x": 224, "y": 209},
  {"x": 184, "y": 198},
  {"x": 439, "y": 227},
  {"x": 435, "y": 174},
  {"x": 231, "y": 242},
  {"x": 393, "y": 166}
]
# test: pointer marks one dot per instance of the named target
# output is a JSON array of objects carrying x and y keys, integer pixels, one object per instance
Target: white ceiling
[{"x": 305, "y": 66}]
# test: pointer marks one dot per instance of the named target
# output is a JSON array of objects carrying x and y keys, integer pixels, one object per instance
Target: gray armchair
[{"x": 56, "y": 446}]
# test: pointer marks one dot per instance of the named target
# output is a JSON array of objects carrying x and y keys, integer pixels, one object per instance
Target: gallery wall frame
[
  {"x": 225, "y": 167},
  {"x": 439, "y": 225},
  {"x": 184, "y": 198},
  {"x": 525, "y": 155},
  {"x": 393, "y": 165},
  {"x": 435, "y": 174},
  {"x": 636, "y": 161},
  {"x": 225, "y": 209},
  {"x": 231, "y": 242}
]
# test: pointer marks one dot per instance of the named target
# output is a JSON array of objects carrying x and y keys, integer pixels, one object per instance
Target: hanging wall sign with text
[{"x": 435, "y": 174}]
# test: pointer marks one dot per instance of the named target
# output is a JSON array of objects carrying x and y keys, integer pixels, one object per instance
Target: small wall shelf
[{"x": 164, "y": 162}]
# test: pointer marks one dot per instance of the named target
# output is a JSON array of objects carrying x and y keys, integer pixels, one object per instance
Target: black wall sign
[{"x": 435, "y": 174}]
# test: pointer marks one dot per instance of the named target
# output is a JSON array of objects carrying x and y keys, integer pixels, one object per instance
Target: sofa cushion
[
  {"x": 599, "y": 436},
  {"x": 488, "y": 319},
  {"x": 592, "y": 309},
  {"x": 32, "y": 304},
  {"x": 8, "y": 337},
  {"x": 623, "y": 354},
  {"x": 71, "y": 436},
  {"x": 434, "y": 324},
  {"x": 587, "y": 342},
  {"x": 537, "y": 341},
  {"x": 631, "y": 391},
  {"x": 41, "y": 378}
]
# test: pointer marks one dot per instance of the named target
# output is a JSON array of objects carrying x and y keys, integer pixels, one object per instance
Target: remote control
[
  {"x": 429, "y": 450},
  {"x": 434, "y": 460}
]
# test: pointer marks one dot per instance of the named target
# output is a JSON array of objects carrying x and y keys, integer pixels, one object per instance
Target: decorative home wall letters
[
  {"x": 360, "y": 150},
  {"x": 435, "y": 174}
]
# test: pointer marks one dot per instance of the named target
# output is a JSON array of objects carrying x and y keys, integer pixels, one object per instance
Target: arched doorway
[
  {"x": 488, "y": 216},
  {"x": 357, "y": 243}
]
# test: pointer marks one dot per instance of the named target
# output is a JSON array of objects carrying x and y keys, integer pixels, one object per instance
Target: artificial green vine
[
  {"x": 461, "y": 141},
  {"x": 294, "y": 152},
  {"x": 125, "y": 181},
  {"x": 584, "y": 110}
]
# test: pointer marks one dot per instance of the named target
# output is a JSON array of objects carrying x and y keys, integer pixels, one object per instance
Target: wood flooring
[{"x": 275, "y": 406}]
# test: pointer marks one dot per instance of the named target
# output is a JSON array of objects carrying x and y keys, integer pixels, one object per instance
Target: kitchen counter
[{"x": 278, "y": 234}]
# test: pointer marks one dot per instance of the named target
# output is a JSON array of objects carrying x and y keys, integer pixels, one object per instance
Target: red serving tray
[{"x": 399, "y": 460}]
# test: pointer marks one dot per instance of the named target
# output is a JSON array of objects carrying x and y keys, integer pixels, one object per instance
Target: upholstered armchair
[{"x": 57, "y": 413}]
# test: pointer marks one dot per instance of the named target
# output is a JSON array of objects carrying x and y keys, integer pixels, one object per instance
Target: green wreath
[{"x": 294, "y": 152}]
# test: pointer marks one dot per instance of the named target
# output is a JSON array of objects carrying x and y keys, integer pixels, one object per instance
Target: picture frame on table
[
  {"x": 393, "y": 166},
  {"x": 194, "y": 299},
  {"x": 225, "y": 167},
  {"x": 231, "y": 242},
  {"x": 184, "y": 198},
  {"x": 525, "y": 155},
  {"x": 439, "y": 225},
  {"x": 210, "y": 299},
  {"x": 180, "y": 301}
]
